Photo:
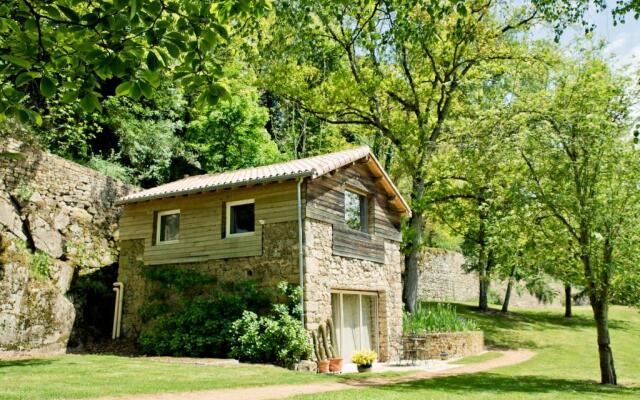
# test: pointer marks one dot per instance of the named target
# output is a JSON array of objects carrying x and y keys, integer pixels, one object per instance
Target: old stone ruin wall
[
  {"x": 443, "y": 278},
  {"x": 58, "y": 251}
]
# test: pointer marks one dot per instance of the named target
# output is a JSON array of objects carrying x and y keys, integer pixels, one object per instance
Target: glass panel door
[{"x": 354, "y": 317}]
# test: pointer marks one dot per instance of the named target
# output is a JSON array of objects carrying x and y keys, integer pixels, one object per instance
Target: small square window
[
  {"x": 168, "y": 226},
  {"x": 355, "y": 210},
  {"x": 240, "y": 218}
]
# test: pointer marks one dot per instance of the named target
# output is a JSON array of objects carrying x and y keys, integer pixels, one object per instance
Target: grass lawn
[
  {"x": 566, "y": 366},
  {"x": 490, "y": 355},
  {"x": 82, "y": 376}
]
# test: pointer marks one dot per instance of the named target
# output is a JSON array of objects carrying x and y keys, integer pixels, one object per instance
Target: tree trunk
[
  {"x": 507, "y": 294},
  {"x": 410, "y": 289},
  {"x": 483, "y": 295},
  {"x": 567, "y": 301},
  {"x": 483, "y": 301},
  {"x": 601, "y": 314}
]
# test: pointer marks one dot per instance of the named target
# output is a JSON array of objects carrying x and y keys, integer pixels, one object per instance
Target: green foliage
[
  {"x": 278, "y": 337},
  {"x": 190, "y": 314},
  {"x": 132, "y": 45},
  {"x": 438, "y": 317},
  {"x": 198, "y": 323},
  {"x": 147, "y": 133},
  {"x": 176, "y": 279},
  {"x": 40, "y": 265},
  {"x": 493, "y": 297},
  {"x": 112, "y": 168},
  {"x": 232, "y": 135},
  {"x": 24, "y": 192}
]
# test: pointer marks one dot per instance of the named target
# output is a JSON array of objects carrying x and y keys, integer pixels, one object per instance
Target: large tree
[
  {"x": 584, "y": 171},
  {"x": 394, "y": 68}
]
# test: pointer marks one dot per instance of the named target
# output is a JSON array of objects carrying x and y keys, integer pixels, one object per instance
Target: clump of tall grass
[{"x": 436, "y": 317}]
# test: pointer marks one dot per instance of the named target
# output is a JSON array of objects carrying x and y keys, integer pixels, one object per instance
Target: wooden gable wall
[{"x": 325, "y": 202}]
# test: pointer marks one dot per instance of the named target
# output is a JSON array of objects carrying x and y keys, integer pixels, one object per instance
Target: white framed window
[
  {"x": 168, "y": 227},
  {"x": 356, "y": 213},
  {"x": 240, "y": 218}
]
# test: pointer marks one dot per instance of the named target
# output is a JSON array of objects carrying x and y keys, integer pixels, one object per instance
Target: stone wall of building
[
  {"x": 57, "y": 223},
  {"x": 279, "y": 262},
  {"x": 326, "y": 272},
  {"x": 430, "y": 346},
  {"x": 442, "y": 277}
]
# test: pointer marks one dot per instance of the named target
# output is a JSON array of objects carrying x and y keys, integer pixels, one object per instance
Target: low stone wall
[
  {"x": 58, "y": 225},
  {"x": 457, "y": 344}
]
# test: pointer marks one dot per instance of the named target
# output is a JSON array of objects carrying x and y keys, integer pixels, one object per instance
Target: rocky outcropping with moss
[{"x": 58, "y": 226}]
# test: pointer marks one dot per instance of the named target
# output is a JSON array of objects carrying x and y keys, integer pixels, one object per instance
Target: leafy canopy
[{"x": 85, "y": 50}]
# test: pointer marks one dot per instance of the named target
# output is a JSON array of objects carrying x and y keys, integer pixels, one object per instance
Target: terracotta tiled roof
[{"x": 311, "y": 167}]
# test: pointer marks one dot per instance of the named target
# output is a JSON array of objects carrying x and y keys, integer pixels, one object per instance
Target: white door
[{"x": 354, "y": 321}]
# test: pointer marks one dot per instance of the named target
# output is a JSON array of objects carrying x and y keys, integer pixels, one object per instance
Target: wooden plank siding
[
  {"x": 201, "y": 223},
  {"x": 325, "y": 202}
]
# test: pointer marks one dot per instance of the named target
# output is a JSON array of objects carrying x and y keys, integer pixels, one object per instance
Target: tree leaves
[
  {"x": 134, "y": 41},
  {"x": 123, "y": 89},
  {"x": 90, "y": 102},
  {"x": 47, "y": 87}
]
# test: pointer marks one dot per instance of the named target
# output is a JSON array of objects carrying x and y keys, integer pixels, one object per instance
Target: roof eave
[
  {"x": 406, "y": 210},
  {"x": 121, "y": 202}
]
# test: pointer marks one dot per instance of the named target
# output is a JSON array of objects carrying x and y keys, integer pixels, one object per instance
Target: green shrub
[
  {"x": 437, "y": 317},
  {"x": 198, "y": 323},
  {"x": 40, "y": 264},
  {"x": 279, "y": 338}
]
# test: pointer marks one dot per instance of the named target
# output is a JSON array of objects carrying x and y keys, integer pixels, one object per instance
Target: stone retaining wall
[
  {"x": 64, "y": 213},
  {"x": 429, "y": 346},
  {"x": 442, "y": 277}
]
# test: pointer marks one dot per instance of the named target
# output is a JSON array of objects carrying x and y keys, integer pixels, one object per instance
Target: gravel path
[{"x": 510, "y": 357}]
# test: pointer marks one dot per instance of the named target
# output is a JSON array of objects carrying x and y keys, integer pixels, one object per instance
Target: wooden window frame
[
  {"x": 228, "y": 206},
  {"x": 364, "y": 209},
  {"x": 159, "y": 216}
]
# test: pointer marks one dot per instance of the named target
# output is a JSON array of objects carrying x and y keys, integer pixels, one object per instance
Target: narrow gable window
[
  {"x": 168, "y": 226},
  {"x": 240, "y": 218},
  {"x": 355, "y": 210}
]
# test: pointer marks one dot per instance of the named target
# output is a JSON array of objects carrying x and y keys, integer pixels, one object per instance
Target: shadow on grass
[
  {"x": 25, "y": 362},
  {"x": 505, "y": 385},
  {"x": 497, "y": 325}
]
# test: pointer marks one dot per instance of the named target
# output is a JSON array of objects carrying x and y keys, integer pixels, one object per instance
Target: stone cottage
[{"x": 330, "y": 223}]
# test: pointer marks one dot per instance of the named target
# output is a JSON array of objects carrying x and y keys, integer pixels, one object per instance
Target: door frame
[{"x": 374, "y": 316}]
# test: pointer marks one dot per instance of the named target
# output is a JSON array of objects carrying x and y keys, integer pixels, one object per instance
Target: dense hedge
[{"x": 190, "y": 314}]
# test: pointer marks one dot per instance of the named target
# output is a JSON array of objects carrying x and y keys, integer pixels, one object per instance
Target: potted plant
[
  {"x": 364, "y": 359},
  {"x": 323, "y": 366}
]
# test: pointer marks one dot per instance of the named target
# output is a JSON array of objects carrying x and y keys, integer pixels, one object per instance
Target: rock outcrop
[{"x": 57, "y": 223}]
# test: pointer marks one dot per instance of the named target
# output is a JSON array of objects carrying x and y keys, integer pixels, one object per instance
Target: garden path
[{"x": 509, "y": 357}]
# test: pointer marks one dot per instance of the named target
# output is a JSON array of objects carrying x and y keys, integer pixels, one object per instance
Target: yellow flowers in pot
[{"x": 364, "y": 359}]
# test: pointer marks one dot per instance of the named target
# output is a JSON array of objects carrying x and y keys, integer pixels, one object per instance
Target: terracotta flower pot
[
  {"x": 323, "y": 366},
  {"x": 335, "y": 364},
  {"x": 364, "y": 368}
]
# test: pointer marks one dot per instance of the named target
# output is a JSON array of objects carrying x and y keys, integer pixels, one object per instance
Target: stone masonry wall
[
  {"x": 57, "y": 217},
  {"x": 325, "y": 272},
  {"x": 279, "y": 262},
  {"x": 442, "y": 277},
  {"x": 429, "y": 346}
]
